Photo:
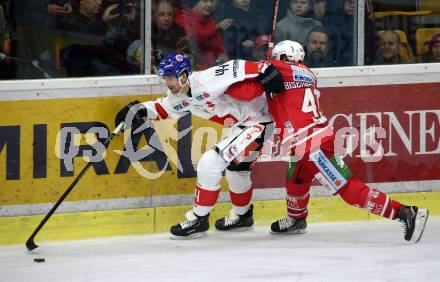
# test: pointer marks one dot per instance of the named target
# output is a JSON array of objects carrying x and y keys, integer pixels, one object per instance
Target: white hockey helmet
[{"x": 293, "y": 51}]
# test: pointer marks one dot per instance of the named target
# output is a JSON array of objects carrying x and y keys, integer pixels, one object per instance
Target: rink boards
[{"x": 115, "y": 198}]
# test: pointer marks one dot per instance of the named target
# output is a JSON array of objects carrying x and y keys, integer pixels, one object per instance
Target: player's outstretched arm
[
  {"x": 271, "y": 80},
  {"x": 245, "y": 90}
]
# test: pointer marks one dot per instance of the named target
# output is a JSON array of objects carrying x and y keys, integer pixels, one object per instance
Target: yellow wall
[
  {"x": 54, "y": 112},
  {"x": 72, "y": 226}
]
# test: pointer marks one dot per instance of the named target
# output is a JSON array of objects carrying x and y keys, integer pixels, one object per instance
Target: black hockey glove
[
  {"x": 272, "y": 81},
  {"x": 137, "y": 109}
]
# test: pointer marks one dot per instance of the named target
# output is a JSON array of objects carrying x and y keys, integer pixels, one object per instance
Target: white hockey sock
[{"x": 240, "y": 210}]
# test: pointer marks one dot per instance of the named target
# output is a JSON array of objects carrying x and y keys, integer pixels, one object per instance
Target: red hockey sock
[
  {"x": 241, "y": 199},
  {"x": 204, "y": 200},
  {"x": 204, "y": 197},
  {"x": 297, "y": 199},
  {"x": 358, "y": 194}
]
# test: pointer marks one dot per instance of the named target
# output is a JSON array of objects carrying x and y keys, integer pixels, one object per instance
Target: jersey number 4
[{"x": 311, "y": 102}]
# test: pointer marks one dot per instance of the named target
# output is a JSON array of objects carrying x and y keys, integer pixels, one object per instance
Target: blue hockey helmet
[{"x": 174, "y": 64}]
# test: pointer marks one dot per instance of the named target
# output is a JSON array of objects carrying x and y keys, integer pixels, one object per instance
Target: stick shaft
[
  {"x": 30, "y": 242},
  {"x": 272, "y": 35}
]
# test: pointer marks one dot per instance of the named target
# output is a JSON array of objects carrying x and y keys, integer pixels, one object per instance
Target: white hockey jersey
[{"x": 207, "y": 99}]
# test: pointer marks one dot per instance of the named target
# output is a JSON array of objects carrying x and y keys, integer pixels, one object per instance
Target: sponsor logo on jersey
[
  {"x": 202, "y": 96},
  {"x": 210, "y": 105},
  {"x": 235, "y": 68},
  {"x": 302, "y": 69},
  {"x": 328, "y": 170},
  {"x": 181, "y": 105},
  {"x": 303, "y": 77},
  {"x": 178, "y": 107},
  {"x": 220, "y": 70}
]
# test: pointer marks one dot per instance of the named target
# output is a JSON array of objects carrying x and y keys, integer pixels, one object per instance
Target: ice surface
[{"x": 350, "y": 251}]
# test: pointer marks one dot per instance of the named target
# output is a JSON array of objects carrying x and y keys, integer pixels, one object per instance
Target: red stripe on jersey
[
  {"x": 252, "y": 68},
  {"x": 203, "y": 197},
  {"x": 227, "y": 120},
  {"x": 162, "y": 113}
]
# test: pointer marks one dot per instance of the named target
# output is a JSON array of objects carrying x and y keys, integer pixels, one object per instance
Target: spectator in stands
[
  {"x": 6, "y": 66},
  {"x": 112, "y": 27},
  {"x": 30, "y": 25},
  {"x": 244, "y": 28},
  {"x": 204, "y": 33},
  {"x": 342, "y": 29},
  {"x": 433, "y": 55},
  {"x": 296, "y": 25},
  {"x": 259, "y": 50},
  {"x": 87, "y": 18},
  {"x": 123, "y": 21},
  {"x": 320, "y": 9},
  {"x": 389, "y": 49},
  {"x": 166, "y": 35},
  {"x": 134, "y": 57},
  {"x": 265, "y": 10},
  {"x": 59, "y": 8},
  {"x": 317, "y": 49}
]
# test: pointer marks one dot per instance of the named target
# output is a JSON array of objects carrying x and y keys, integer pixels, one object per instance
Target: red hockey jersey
[{"x": 296, "y": 110}]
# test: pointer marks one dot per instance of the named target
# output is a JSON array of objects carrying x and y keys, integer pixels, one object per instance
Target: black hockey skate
[
  {"x": 413, "y": 220},
  {"x": 289, "y": 225},
  {"x": 193, "y": 227},
  {"x": 236, "y": 222}
]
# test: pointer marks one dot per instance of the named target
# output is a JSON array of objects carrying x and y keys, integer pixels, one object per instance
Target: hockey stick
[
  {"x": 30, "y": 244},
  {"x": 272, "y": 35}
]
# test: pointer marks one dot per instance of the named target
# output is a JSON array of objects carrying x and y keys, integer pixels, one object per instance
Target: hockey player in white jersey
[{"x": 209, "y": 94}]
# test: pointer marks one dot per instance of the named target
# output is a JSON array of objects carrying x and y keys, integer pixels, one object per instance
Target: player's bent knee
[
  {"x": 209, "y": 170},
  {"x": 211, "y": 160}
]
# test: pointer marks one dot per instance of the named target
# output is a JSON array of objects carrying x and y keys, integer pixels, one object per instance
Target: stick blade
[{"x": 30, "y": 244}]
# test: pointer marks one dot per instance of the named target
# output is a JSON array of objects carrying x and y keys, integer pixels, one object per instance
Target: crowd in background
[
  {"x": 75, "y": 38},
  {"x": 68, "y": 38}
]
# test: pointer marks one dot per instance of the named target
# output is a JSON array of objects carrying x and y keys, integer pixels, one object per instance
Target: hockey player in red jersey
[
  {"x": 209, "y": 94},
  {"x": 293, "y": 100}
]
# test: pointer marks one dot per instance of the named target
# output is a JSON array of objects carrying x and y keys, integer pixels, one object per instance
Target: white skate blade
[
  {"x": 297, "y": 231},
  {"x": 189, "y": 237},
  {"x": 240, "y": 229},
  {"x": 421, "y": 218}
]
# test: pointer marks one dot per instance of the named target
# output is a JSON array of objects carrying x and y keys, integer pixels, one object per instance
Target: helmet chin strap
[
  {"x": 182, "y": 85},
  {"x": 180, "y": 81}
]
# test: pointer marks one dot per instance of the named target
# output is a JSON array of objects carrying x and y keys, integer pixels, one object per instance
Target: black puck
[{"x": 39, "y": 260}]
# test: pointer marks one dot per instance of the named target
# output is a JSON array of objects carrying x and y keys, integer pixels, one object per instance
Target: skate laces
[
  {"x": 191, "y": 219},
  {"x": 286, "y": 222},
  {"x": 405, "y": 226},
  {"x": 232, "y": 219}
]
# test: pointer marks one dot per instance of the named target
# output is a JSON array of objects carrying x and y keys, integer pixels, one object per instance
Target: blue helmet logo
[{"x": 174, "y": 64}]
